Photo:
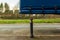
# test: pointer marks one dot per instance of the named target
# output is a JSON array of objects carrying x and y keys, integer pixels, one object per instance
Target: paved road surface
[
  {"x": 4, "y": 35},
  {"x": 36, "y": 25}
]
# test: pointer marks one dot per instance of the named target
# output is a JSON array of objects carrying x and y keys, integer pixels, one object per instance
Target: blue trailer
[{"x": 40, "y": 6}]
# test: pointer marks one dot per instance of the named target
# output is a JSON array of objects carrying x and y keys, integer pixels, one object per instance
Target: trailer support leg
[{"x": 31, "y": 27}]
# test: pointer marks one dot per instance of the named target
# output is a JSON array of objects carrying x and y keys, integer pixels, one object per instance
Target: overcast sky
[{"x": 11, "y": 3}]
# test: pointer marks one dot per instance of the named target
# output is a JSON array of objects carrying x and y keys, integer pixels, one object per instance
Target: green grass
[
  {"x": 5, "y": 21},
  {"x": 47, "y": 20},
  {"x": 14, "y": 21}
]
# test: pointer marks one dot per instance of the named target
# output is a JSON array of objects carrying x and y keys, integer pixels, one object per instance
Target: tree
[
  {"x": 1, "y": 7},
  {"x": 6, "y": 7}
]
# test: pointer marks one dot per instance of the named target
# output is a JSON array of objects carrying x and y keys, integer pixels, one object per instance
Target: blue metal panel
[
  {"x": 36, "y": 11},
  {"x": 25, "y": 11},
  {"x": 49, "y": 11},
  {"x": 58, "y": 11},
  {"x": 37, "y": 6}
]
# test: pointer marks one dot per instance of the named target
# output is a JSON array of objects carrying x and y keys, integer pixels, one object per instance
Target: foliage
[
  {"x": 1, "y": 5},
  {"x": 6, "y": 6}
]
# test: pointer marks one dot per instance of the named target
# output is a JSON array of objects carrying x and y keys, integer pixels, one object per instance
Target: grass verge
[{"x": 5, "y": 21}]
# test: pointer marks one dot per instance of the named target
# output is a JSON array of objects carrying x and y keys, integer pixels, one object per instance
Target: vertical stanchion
[
  {"x": 31, "y": 24},
  {"x": 31, "y": 27}
]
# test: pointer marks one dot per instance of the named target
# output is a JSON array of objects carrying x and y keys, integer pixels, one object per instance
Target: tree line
[{"x": 6, "y": 13}]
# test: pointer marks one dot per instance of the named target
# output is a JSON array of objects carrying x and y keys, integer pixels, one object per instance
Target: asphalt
[
  {"x": 25, "y": 25},
  {"x": 19, "y": 30}
]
